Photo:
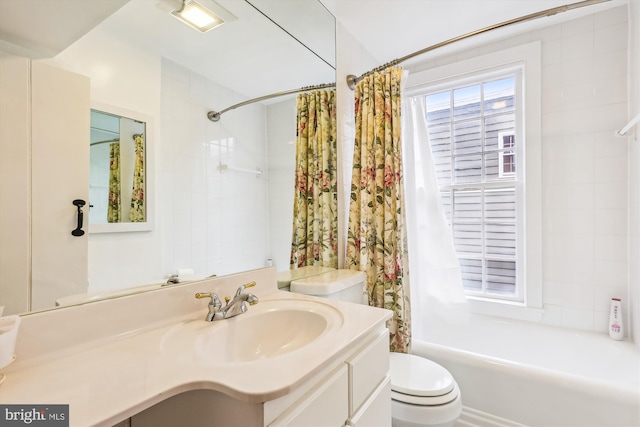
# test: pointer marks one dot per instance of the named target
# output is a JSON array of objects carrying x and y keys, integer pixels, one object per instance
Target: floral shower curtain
[
  {"x": 113, "y": 208},
  {"x": 137, "y": 211},
  {"x": 376, "y": 242},
  {"x": 315, "y": 216}
]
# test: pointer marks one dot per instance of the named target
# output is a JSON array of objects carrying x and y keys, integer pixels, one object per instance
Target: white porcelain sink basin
[{"x": 268, "y": 329}]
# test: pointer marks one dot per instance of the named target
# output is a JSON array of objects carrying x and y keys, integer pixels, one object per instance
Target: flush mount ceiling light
[{"x": 203, "y": 15}]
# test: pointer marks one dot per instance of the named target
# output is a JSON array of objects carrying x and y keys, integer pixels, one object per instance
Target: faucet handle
[
  {"x": 243, "y": 287},
  {"x": 215, "y": 301}
]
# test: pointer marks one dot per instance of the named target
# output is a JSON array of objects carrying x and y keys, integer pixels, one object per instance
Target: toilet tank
[
  {"x": 285, "y": 278},
  {"x": 343, "y": 285}
]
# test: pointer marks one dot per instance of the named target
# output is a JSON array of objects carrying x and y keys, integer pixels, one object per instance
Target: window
[
  {"x": 502, "y": 169},
  {"x": 472, "y": 128},
  {"x": 506, "y": 158}
]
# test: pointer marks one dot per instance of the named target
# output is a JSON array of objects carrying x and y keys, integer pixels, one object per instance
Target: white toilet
[{"x": 423, "y": 393}]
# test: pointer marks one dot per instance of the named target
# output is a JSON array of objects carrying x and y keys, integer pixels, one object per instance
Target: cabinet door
[
  {"x": 60, "y": 111},
  {"x": 367, "y": 369},
  {"x": 376, "y": 410},
  {"x": 326, "y": 405}
]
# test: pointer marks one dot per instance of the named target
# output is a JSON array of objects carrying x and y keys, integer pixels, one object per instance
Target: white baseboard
[{"x": 473, "y": 418}]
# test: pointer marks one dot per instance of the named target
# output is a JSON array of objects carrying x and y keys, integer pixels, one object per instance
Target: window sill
[{"x": 511, "y": 310}]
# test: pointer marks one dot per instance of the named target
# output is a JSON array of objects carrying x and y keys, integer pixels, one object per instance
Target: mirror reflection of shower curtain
[
  {"x": 315, "y": 215},
  {"x": 113, "y": 208},
  {"x": 137, "y": 212}
]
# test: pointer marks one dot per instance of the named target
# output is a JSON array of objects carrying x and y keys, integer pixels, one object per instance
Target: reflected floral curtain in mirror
[
  {"x": 113, "y": 209},
  {"x": 137, "y": 212},
  {"x": 376, "y": 241},
  {"x": 315, "y": 215}
]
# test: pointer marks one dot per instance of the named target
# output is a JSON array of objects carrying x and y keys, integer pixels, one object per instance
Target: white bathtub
[{"x": 514, "y": 373}]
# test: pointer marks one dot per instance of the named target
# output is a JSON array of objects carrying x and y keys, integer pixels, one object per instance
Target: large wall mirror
[
  {"x": 146, "y": 67},
  {"x": 119, "y": 171}
]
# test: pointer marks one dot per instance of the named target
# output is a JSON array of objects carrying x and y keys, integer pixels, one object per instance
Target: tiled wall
[
  {"x": 584, "y": 165},
  {"x": 281, "y": 137},
  {"x": 584, "y": 92},
  {"x": 214, "y": 222},
  {"x": 634, "y": 173}
]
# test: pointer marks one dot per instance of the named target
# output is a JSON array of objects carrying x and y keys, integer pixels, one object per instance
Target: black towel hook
[{"x": 79, "y": 203}]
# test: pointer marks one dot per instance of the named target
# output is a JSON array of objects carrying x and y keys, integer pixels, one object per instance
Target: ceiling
[
  {"x": 391, "y": 29},
  {"x": 252, "y": 55}
]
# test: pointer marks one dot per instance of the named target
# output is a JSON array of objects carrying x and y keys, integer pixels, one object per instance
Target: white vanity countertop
[{"x": 107, "y": 371}]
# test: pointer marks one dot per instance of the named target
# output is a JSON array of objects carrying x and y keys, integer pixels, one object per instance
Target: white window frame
[{"x": 528, "y": 58}]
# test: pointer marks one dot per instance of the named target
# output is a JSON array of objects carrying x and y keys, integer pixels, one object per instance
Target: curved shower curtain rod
[
  {"x": 352, "y": 79},
  {"x": 214, "y": 116}
]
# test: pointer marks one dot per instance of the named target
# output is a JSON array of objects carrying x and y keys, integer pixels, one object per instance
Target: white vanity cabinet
[
  {"x": 353, "y": 390},
  {"x": 325, "y": 405},
  {"x": 370, "y": 384}
]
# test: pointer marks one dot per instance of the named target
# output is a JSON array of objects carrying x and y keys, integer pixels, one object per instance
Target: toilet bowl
[{"x": 423, "y": 393}]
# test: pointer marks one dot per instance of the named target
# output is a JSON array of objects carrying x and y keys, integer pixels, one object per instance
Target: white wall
[{"x": 634, "y": 172}]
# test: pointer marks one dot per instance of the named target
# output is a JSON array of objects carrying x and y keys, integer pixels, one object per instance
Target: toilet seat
[{"x": 420, "y": 381}]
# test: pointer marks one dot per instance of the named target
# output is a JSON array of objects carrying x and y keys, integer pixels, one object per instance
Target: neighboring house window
[
  {"x": 506, "y": 157},
  {"x": 473, "y": 132}
]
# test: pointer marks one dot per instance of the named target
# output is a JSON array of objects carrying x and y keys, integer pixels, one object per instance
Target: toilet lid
[
  {"x": 328, "y": 283},
  {"x": 416, "y": 376}
]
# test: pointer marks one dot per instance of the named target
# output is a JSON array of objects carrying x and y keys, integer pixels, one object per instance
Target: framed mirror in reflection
[{"x": 119, "y": 171}]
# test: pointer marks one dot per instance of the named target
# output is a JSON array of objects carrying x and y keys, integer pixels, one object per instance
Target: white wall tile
[
  {"x": 551, "y": 52},
  {"x": 580, "y": 170},
  {"x": 609, "y": 17},
  {"x": 610, "y": 91},
  {"x": 576, "y": 71},
  {"x": 577, "y": 47},
  {"x": 584, "y": 171},
  {"x": 577, "y": 120},
  {"x": 576, "y": 318},
  {"x": 611, "y": 247},
  {"x": 610, "y": 274},
  {"x": 611, "y": 38},
  {"x": 610, "y": 195},
  {"x": 610, "y": 117},
  {"x": 611, "y": 169},
  {"x": 578, "y": 27},
  {"x": 611, "y": 221},
  {"x": 610, "y": 64}
]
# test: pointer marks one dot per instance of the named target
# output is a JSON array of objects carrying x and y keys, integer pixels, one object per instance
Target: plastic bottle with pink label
[{"x": 616, "y": 330}]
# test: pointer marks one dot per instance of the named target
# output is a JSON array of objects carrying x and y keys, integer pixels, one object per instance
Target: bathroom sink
[{"x": 268, "y": 329}]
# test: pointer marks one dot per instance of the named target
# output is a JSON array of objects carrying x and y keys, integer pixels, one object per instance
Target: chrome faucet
[{"x": 233, "y": 307}]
